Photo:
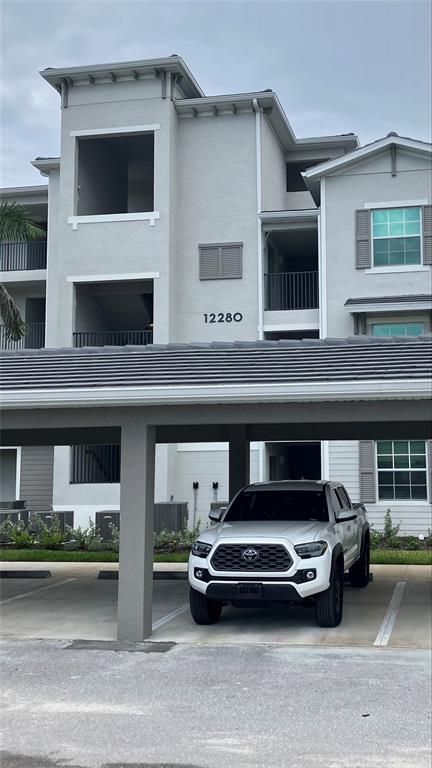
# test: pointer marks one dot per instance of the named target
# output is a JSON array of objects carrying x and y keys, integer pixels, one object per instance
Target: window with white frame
[
  {"x": 396, "y": 237},
  {"x": 397, "y": 329},
  {"x": 401, "y": 466}
]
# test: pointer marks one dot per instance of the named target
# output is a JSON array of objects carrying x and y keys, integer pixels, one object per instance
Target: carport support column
[
  {"x": 135, "y": 588},
  {"x": 239, "y": 459}
]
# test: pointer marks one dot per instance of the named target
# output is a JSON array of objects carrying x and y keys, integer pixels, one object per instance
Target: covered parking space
[{"x": 235, "y": 393}]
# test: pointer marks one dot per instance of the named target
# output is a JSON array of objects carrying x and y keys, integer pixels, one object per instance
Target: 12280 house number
[{"x": 223, "y": 317}]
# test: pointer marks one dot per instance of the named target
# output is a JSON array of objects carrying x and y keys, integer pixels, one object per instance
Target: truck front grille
[{"x": 234, "y": 557}]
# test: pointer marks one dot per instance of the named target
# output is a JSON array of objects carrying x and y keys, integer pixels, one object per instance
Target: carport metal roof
[{"x": 233, "y": 372}]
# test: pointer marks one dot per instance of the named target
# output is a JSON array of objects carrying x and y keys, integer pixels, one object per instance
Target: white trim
[
  {"x": 23, "y": 276},
  {"x": 397, "y": 204},
  {"x": 112, "y": 278},
  {"x": 358, "y": 154},
  {"x": 395, "y": 307},
  {"x": 105, "y": 218},
  {"x": 90, "y": 508},
  {"x": 300, "y": 326},
  {"x": 203, "y": 447},
  {"x": 284, "y": 392},
  {"x": 325, "y": 460},
  {"x": 391, "y": 270},
  {"x": 322, "y": 263},
  {"x": 113, "y": 131},
  {"x": 18, "y": 449}
]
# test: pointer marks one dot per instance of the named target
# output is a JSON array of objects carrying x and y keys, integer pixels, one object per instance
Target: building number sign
[{"x": 223, "y": 317}]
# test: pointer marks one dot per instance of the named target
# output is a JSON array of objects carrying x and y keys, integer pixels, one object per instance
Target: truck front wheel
[
  {"x": 203, "y": 610},
  {"x": 329, "y": 604}
]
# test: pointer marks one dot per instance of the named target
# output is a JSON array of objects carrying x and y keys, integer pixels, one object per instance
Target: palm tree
[{"x": 15, "y": 224}]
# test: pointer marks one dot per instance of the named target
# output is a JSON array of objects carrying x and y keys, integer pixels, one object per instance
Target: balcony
[
  {"x": 112, "y": 338},
  {"x": 291, "y": 290},
  {"x": 34, "y": 338},
  {"x": 19, "y": 256}
]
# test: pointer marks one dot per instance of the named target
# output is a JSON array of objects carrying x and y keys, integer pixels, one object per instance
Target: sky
[{"x": 361, "y": 66}]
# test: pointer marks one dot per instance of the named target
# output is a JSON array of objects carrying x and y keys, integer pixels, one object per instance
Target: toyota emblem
[{"x": 250, "y": 555}]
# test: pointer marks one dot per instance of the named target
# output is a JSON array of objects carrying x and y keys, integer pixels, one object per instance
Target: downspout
[
  {"x": 260, "y": 275},
  {"x": 260, "y": 280},
  {"x": 322, "y": 247}
]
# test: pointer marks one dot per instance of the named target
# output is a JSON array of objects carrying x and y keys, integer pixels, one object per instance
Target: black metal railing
[
  {"x": 30, "y": 254},
  {"x": 111, "y": 338},
  {"x": 95, "y": 464},
  {"x": 34, "y": 338},
  {"x": 291, "y": 290}
]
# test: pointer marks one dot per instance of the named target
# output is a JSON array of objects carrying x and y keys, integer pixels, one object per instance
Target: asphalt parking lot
[
  {"x": 261, "y": 689},
  {"x": 393, "y": 611}
]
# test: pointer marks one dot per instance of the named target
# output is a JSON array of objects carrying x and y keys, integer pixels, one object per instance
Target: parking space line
[
  {"x": 386, "y": 628},
  {"x": 169, "y": 616},
  {"x": 33, "y": 591}
]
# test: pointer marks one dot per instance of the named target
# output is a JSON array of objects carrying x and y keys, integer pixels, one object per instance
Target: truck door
[{"x": 350, "y": 526}]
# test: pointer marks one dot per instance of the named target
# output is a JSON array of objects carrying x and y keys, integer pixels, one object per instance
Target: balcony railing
[
  {"x": 291, "y": 290},
  {"x": 23, "y": 255},
  {"x": 111, "y": 338},
  {"x": 34, "y": 338}
]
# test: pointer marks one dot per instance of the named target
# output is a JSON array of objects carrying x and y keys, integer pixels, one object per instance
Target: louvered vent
[{"x": 220, "y": 261}]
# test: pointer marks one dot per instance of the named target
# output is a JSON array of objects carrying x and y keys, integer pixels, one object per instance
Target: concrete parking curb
[
  {"x": 15, "y": 574},
  {"x": 157, "y": 575}
]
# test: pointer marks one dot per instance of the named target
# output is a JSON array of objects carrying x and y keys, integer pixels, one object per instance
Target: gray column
[
  {"x": 239, "y": 459},
  {"x": 135, "y": 588}
]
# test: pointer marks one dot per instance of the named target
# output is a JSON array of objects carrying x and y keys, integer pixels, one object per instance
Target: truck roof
[{"x": 295, "y": 485}]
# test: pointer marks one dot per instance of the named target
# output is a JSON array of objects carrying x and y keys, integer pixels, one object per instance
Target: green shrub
[
  {"x": 16, "y": 533},
  {"x": 411, "y": 542},
  {"x": 114, "y": 544},
  {"x": 49, "y": 535},
  {"x": 172, "y": 541}
]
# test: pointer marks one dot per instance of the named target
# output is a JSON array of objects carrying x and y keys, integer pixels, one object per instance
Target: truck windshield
[{"x": 289, "y": 505}]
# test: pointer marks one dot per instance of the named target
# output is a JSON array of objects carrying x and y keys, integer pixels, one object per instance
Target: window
[
  {"x": 396, "y": 236},
  {"x": 397, "y": 329},
  {"x": 401, "y": 469},
  {"x": 220, "y": 261},
  {"x": 261, "y": 506},
  {"x": 343, "y": 497}
]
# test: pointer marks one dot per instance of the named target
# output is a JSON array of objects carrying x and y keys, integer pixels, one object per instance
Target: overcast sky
[{"x": 354, "y": 65}]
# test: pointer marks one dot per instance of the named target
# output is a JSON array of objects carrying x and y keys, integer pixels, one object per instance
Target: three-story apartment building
[{"x": 174, "y": 217}]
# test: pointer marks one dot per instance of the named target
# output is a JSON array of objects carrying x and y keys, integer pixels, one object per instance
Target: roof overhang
[
  {"x": 34, "y": 195},
  {"x": 314, "y": 175},
  {"x": 388, "y": 304},
  {"x": 272, "y": 220},
  {"x": 126, "y": 70},
  {"x": 299, "y": 392},
  {"x": 46, "y": 164}
]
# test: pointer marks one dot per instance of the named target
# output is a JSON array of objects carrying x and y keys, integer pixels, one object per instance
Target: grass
[
  {"x": 378, "y": 556},
  {"x": 51, "y": 555},
  {"x": 401, "y": 557}
]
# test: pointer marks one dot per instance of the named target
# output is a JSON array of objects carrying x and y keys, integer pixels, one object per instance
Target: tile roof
[{"x": 268, "y": 362}]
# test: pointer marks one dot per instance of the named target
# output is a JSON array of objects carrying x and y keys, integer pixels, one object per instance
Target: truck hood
[{"x": 252, "y": 532}]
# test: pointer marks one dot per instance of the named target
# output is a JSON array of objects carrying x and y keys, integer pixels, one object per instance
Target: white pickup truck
[{"x": 280, "y": 542}]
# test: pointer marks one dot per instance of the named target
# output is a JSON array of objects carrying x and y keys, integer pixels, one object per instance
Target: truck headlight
[
  {"x": 312, "y": 549},
  {"x": 201, "y": 549}
]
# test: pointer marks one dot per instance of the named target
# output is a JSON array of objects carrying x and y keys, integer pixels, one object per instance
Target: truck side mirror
[{"x": 217, "y": 514}]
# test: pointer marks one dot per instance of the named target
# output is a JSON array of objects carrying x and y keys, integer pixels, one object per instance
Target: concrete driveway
[{"x": 394, "y": 611}]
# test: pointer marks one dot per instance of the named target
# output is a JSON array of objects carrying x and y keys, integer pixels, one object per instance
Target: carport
[{"x": 236, "y": 393}]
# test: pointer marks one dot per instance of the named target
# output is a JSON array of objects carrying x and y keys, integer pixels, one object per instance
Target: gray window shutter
[
  {"x": 231, "y": 261},
  {"x": 363, "y": 239},
  {"x": 367, "y": 471},
  {"x": 209, "y": 268},
  {"x": 429, "y": 466},
  {"x": 427, "y": 234},
  {"x": 220, "y": 261}
]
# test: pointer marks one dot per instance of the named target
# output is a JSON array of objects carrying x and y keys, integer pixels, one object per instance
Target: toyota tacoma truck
[{"x": 280, "y": 542}]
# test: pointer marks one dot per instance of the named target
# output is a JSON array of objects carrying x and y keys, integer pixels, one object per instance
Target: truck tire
[
  {"x": 329, "y": 604},
  {"x": 359, "y": 572},
  {"x": 203, "y": 610}
]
